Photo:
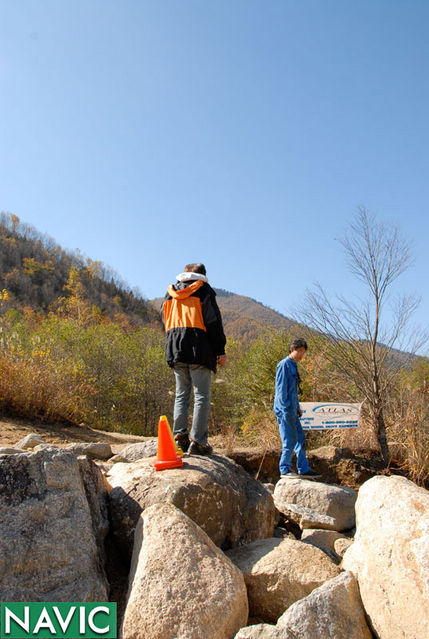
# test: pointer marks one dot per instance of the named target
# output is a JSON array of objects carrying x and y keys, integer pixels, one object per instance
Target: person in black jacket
[{"x": 194, "y": 346}]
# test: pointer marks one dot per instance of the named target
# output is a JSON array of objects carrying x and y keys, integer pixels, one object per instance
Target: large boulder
[
  {"x": 48, "y": 538},
  {"x": 278, "y": 572},
  {"x": 228, "y": 504},
  {"x": 390, "y": 556},
  {"x": 336, "y": 502},
  {"x": 334, "y": 611},
  {"x": 181, "y": 584}
]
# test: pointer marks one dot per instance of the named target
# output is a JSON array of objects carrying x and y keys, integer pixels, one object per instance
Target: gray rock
[
  {"x": 48, "y": 550},
  {"x": 336, "y": 502},
  {"x": 332, "y": 611},
  {"x": 279, "y": 572},
  {"x": 141, "y": 450},
  {"x": 228, "y": 504},
  {"x": 181, "y": 584},
  {"x": 306, "y": 517},
  {"x": 390, "y": 556},
  {"x": 30, "y": 441},
  {"x": 94, "y": 450}
]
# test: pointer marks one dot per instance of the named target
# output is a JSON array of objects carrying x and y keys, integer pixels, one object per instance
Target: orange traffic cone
[
  {"x": 167, "y": 455},
  {"x": 179, "y": 451}
]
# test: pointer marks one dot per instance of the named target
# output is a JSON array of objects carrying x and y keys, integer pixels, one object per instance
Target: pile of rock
[
  {"x": 334, "y": 611},
  {"x": 386, "y": 583},
  {"x": 200, "y": 549},
  {"x": 324, "y": 513}
]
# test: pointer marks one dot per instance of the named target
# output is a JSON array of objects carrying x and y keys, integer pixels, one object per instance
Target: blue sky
[{"x": 241, "y": 133}]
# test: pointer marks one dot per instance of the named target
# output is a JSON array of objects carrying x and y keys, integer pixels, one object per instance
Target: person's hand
[
  {"x": 299, "y": 412},
  {"x": 221, "y": 360}
]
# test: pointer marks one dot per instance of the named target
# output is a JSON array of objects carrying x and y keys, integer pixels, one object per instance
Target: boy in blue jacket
[{"x": 288, "y": 412}]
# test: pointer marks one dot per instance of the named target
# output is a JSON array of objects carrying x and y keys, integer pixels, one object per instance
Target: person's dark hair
[
  {"x": 195, "y": 268},
  {"x": 298, "y": 343}
]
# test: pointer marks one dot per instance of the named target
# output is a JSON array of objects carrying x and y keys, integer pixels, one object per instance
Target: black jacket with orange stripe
[{"x": 193, "y": 324}]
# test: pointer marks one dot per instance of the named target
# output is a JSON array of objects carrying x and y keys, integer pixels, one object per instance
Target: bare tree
[{"x": 364, "y": 343}]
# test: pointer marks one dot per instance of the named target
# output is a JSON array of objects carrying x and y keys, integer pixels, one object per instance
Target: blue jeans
[
  {"x": 293, "y": 440},
  {"x": 200, "y": 378}
]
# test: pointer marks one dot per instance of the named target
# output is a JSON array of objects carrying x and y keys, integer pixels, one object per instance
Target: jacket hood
[
  {"x": 186, "y": 277},
  {"x": 183, "y": 293}
]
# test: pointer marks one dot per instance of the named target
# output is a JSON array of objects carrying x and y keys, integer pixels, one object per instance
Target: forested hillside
[
  {"x": 246, "y": 320},
  {"x": 35, "y": 270}
]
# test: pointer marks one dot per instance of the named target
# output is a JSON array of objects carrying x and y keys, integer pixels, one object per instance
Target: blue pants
[
  {"x": 200, "y": 378},
  {"x": 293, "y": 440}
]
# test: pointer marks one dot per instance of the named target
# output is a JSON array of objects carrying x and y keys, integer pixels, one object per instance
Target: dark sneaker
[
  {"x": 183, "y": 441},
  {"x": 310, "y": 474},
  {"x": 200, "y": 449},
  {"x": 290, "y": 475}
]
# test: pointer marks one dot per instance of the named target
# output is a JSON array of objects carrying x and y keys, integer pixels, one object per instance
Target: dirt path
[{"x": 12, "y": 430}]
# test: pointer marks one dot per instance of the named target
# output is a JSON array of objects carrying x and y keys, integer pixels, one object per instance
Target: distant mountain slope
[
  {"x": 34, "y": 270},
  {"x": 244, "y": 318}
]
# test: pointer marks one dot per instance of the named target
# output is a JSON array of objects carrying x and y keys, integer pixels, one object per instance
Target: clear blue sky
[{"x": 241, "y": 133}]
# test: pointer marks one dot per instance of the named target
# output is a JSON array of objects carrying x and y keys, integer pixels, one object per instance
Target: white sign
[{"x": 319, "y": 416}]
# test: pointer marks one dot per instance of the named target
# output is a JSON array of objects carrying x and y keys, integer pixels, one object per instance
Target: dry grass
[
  {"x": 361, "y": 438},
  {"x": 408, "y": 431},
  {"x": 37, "y": 392},
  {"x": 261, "y": 430}
]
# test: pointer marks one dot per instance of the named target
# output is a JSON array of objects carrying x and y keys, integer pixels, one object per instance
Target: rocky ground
[{"x": 220, "y": 550}]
